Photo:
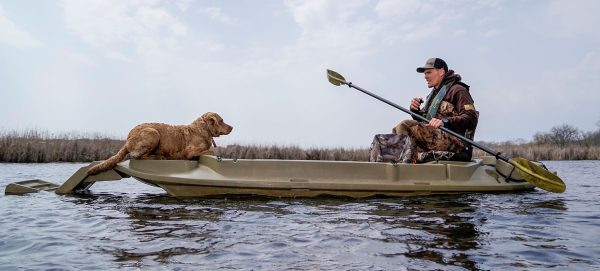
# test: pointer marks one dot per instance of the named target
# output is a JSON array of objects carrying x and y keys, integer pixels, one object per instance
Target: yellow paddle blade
[
  {"x": 538, "y": 176},
  {"x": 335, "y": 78}
]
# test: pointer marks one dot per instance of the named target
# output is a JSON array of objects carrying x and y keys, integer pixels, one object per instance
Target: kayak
[{"x": 214, "y": 176}]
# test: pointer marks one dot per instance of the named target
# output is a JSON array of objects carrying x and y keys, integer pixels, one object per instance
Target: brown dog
[{"x": 154, "y": 141}]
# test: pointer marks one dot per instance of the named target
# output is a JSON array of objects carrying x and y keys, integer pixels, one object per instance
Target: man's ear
[{"x": 442, "y": 72}]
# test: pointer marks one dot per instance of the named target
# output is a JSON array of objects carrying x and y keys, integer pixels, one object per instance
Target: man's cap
[{"x": 433, "y": 63}]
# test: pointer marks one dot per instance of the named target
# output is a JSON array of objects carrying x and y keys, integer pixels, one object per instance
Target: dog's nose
[{"x": 227, "y": 129}]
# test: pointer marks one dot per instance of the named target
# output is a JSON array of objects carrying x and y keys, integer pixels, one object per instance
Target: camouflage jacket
[{"x": 457, "y": 106}]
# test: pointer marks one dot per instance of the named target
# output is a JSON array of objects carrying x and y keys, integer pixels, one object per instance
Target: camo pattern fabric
[
  {"x": 423, "y": 157},
  {"x": 392, "y": 148},
  {"x": 434, "y": 144}
]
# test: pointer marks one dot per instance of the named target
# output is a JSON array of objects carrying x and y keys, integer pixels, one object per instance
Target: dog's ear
[
  {"x": 211, "y": 121},
  {"x": 206, "y": 116},
  {"x": 211, "y": 115}
]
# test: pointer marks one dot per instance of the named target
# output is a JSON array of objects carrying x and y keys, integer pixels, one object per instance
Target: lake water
[{"x": 127, "y": 225}]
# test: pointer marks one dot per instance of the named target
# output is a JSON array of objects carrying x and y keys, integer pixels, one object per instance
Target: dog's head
[{"x": 215, "y": 124}]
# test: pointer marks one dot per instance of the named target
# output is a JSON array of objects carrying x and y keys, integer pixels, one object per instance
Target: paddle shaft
[{"x": 483, "y": 148}]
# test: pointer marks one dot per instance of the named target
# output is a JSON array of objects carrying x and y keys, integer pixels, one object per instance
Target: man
[{"x": 450, "y": 105}]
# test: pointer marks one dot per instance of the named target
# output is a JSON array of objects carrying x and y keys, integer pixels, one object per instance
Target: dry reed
[
  {"x": 32, "y": 146},
  {"x": 546, "y": 152},
  {"x": 292, "y": 153}
]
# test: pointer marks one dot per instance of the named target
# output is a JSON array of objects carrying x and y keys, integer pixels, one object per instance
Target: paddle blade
[
  {"x": 335, "y": 78},
  {"x": 538, "y": 176}
]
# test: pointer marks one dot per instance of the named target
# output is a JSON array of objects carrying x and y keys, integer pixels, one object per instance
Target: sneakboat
[{"x": 214, "y": 176}]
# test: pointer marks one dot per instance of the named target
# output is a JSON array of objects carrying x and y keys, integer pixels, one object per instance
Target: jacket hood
[{"x": 451, "y": 76}]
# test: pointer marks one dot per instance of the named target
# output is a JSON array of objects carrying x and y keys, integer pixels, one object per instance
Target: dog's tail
[{"x": 109, "y": 163}]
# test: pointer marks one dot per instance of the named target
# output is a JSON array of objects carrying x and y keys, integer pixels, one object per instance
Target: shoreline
[{"x": 32, "y": 149}]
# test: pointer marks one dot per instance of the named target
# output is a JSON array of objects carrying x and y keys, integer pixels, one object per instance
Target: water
[{"x": 128, "y": 225}]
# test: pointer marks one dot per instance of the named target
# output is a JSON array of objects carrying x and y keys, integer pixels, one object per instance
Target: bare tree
[
  {"x": 565, "y": 134},
  {"x": 542, "y": 138}
]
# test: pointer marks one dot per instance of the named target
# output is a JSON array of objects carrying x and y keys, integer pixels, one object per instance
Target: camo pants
[{"x": 428, "y": 143}]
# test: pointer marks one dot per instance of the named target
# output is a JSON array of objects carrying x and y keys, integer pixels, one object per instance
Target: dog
[{"x": 160, "y": 141}]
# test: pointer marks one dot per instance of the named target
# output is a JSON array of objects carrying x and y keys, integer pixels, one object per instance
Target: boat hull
[{"x": 211, "y": 176}]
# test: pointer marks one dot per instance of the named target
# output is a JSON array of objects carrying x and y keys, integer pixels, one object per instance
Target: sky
[{"x": 86, "y": 66}]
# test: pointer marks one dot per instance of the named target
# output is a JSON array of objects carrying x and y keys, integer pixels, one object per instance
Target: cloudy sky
[{"x": 105, "y": 66}]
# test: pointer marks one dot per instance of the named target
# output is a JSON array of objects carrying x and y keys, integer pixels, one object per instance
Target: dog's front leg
[{"x": 193, "y": 153}]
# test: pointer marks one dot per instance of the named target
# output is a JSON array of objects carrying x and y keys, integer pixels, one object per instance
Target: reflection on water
[{"x": 128, "y": 225}]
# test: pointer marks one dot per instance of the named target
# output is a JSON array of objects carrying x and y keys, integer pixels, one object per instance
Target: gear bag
[{"x": 391, "y": 148}]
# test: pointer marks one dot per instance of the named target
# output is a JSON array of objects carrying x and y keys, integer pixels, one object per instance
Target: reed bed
[
  {"x": 32, "y": 146},
  {"x": 292, "y": 153},
  {"x": 546, "y": 152}
]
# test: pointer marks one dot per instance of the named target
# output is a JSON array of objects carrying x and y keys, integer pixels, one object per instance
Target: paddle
[{"x": 531, "y": 172}]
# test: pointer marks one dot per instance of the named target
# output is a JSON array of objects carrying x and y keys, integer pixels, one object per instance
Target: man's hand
[
  {"x": 415, "y": 104},
  {"x": 435, "y": 123}
]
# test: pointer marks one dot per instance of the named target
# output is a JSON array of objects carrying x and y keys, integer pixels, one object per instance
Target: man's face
[{"x": 434, "y": 77}]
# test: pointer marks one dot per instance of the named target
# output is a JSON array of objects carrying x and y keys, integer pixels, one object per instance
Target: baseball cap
[{"x": 433, "y": 63}]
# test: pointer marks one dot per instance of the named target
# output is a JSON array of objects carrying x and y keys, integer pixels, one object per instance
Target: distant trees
[
  {"x": 562, "y": 142},
  {"x": 559, "y": 135},
  {"x": 565, "y": 134},
  {"x": 591, "y": 138}
]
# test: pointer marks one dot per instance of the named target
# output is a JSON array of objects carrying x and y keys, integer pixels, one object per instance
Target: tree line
[
  {"x": 563, "y": 142},
  {"x": 565, "y": 134}
]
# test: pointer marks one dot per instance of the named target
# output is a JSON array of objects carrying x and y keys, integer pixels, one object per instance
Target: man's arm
[{"x": 467, "y": 115}]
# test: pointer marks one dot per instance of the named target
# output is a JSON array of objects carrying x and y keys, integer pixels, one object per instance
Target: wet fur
[{"x": 155, "y": 141}]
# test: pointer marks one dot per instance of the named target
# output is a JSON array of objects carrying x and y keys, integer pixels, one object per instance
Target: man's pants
[{"x": 430, "y": 143}]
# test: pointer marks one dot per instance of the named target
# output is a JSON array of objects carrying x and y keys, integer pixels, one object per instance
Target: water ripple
[{"x": 143, "y": 228}]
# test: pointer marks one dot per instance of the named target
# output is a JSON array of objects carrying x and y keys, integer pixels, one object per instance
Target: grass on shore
[
  {"x": 32, "y": 146},
  {"x": 546, "y": 152}
]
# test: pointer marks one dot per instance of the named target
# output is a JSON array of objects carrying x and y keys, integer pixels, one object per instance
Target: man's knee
[{"x": 403, "y": 128}]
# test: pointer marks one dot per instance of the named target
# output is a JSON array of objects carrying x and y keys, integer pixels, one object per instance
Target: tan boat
[{"x": 212, "y": 176}]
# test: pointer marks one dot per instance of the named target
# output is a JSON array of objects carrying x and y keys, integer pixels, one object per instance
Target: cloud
[
  {"x": 273, "y": 89},
  {"x": 414, "y": 21},
  {"x": 216, "y": 14},
  {"x": 183, "y": 5},
  {"x": 123, "y": 30},
  {"x": 12, "y": 35},
  {"x": 331, "y": 23},
  {"x": 542, "y": 100},
  {"x": 562, "y": 19},
  {"x": 332, "y": 29},
  {"x": 578, "y": 83},
  {"x": 573, "y": 17},
  {"x": 402, "y": 9}
]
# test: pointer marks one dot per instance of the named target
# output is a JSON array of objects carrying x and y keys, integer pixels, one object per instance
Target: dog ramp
[
  {"x": 29, "y": 186},
  {"x": 78, "y": 182}
]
